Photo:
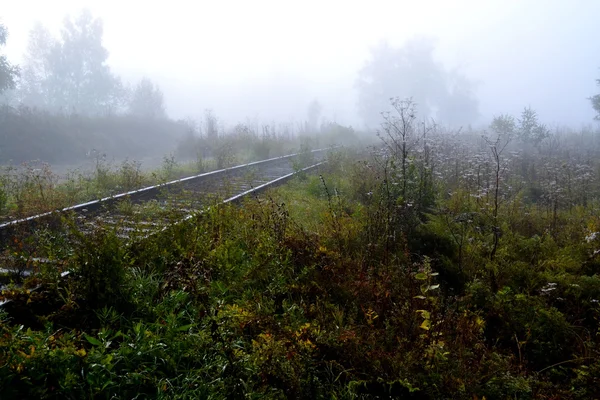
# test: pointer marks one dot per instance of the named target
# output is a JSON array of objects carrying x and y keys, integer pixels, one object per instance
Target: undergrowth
[{"x": 363, "y": 282}]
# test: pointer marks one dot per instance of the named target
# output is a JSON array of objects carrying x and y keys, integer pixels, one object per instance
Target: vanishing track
[{"x": 139, "y": 213}]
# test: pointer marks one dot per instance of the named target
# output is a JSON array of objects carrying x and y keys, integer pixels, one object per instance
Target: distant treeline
[
  {"x": 30, "y": 134},
  {"x": 64, "y": 104}
]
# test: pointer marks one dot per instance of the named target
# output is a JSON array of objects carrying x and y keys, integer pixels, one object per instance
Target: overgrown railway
[{"x": 24, "y": 243}]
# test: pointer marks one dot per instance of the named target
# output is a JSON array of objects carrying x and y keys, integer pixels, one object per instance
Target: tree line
[
  {"x": 411, "y": 72},
  {"x": 69, "y": 74}
]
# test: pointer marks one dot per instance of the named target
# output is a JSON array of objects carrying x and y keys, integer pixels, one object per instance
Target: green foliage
[
  {"x": 4, "y": 183},
  {"x": 595, "y": 100},
  {"x": 528, "y": 130},
  {"x": 503, "y": 125},
  {"x": 531, "y": 131},
  {"x": 30, "y": 189},
  {"x": 168, "y": 167},
  {"x": 328, "y": 287},
  {"x": 8, "y": 72},
  {"x": 70, "y": 74},
  {"x": 225, "y": 154},
  {"x": 102, "y": 270}
]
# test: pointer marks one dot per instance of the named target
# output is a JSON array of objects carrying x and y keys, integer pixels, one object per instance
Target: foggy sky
[{"x": 269, "y": 59}]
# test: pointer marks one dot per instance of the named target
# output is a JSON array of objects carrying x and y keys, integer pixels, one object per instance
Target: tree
[
  {"x": 211, "y": 125},
  {"x": 147, "y": 100},
  {"x": 596, "y": 102},
  {"x": 314, "y": 114},
  {"x": 530, "y": 130},
  {"x": 70, "y": 73},
  {"x": 8, "y": 73},
  {"x": 497, "y": 147},
  {"x": 400, "y": 136},
  {"x": 412, "y": 72},
  {"x": 34, "y": 88},
  {"x": 503, "y": 125},
  {"x": 81, "y": 79},
  {"x": 459, "y": 106}
]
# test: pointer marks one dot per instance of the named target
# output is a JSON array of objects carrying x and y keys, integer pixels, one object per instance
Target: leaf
[
  {"x": 426, "y": 325},
  {"x": 184, "y": 328},
  {"x": 93, "y": 340},
  {"x": 420, "y": 297},
  {"x": 421, "y": 276},
  {"x": 433, "y": 287}
]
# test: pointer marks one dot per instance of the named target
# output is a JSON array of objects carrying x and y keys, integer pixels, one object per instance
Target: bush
[{"x": 101, "y": 270}]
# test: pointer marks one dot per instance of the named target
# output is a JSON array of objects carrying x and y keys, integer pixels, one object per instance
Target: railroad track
[{"x": 142, "y": 212}]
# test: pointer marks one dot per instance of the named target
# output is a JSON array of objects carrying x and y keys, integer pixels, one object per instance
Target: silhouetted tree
[
  {"x": 596, "y": 102},
  {"x": 71, "y": 74},
  {"x": 314, "y": 114},
  {"x": 147, "y": 100},
  {"x": 504, "y": 125},
  {"x": 80, "y": 70},
  {"x": 530, "y": 129},
  {"x": 458, "y": 106},
  {"x": 8, "y": 72},
  {"x": 211, "y": 124},
  {"x": 412, "y": 72},
  {"x": 34, "y": 86}
]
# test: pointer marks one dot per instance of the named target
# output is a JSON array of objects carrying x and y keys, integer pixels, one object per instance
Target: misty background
[{"x": 305, "y": 63}]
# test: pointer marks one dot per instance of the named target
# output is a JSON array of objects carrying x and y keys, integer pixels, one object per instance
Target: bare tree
[
  {"x": 399, "y": 134},
  {"x": 499, "y": 164}
]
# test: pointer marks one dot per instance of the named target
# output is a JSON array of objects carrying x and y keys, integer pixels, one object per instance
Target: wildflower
[{"x": 550, "y": 286}]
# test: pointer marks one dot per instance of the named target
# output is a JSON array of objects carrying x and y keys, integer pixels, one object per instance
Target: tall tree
[
  {"x": 211, "y": 124},
  {"x": 147, "y": 100},
  {"x": 412, "y": 72},
  {"x": 81, "y": 79},
  {"x": 596, "y": 102},
  {"x": 314, "y": 114},
  {"x": 8, "y": 72},
  {"x": 34, "y": 89},
  {"x": 70, "y": 73},
  {"x": 458, "y": 106},
  {"x": 504, "y": 125},
  {"x": 530, "y": 129}
]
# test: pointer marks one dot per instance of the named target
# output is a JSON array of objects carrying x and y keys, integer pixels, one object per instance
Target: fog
[{"x": 267, "y": 60}]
